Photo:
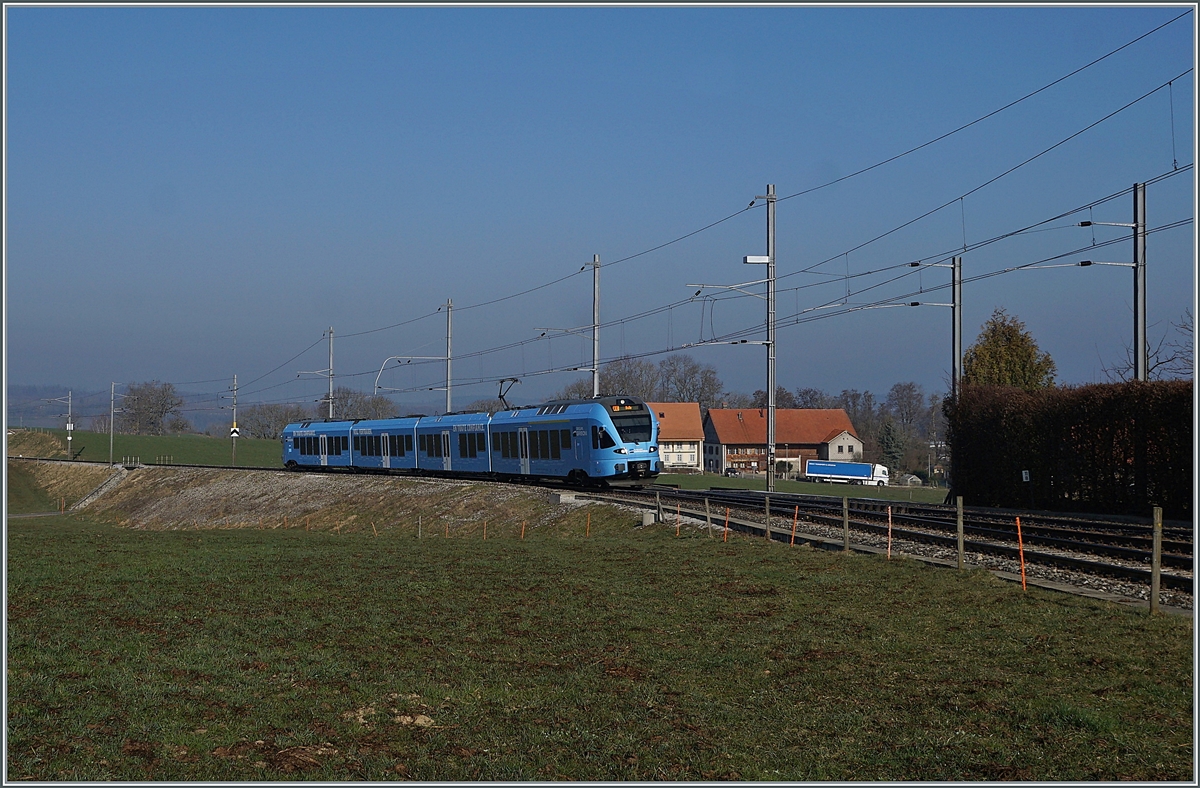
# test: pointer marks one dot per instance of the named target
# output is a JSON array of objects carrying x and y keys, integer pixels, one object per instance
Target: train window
[
  {"x": 462, "y": 444},
  {"x": 606, "y": 441},
  {"x": 595, "y": 437},
  {"x": 377, "y": 445},
  {"x": 566, "y": 438},
  {"x": 437, "y": 445},
  {"x": 552, "y": 437},
  {"x": 408, "y": 442},
  {"x": 421, "y": 441},
  {"x": 480, "y": 443},
  {"x": 535, "y": 448},
  {"x": 544, "y": 439}
]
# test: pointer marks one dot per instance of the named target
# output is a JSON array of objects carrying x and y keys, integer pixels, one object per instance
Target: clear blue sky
[{"x": 197, "y": 192}]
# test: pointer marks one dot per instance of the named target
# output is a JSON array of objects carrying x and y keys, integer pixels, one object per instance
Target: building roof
[
  {"x": 678, "y": 421},
  {"x": 796, "y": 426}
]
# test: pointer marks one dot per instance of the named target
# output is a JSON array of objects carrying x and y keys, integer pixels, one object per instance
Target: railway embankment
[{"x": 156, "y": 498}]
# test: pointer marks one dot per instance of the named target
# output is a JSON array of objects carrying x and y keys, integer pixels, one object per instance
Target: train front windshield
[{"x": 633, "y": 427}]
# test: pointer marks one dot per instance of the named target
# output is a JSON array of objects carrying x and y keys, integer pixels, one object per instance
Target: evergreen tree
[
  {"x": 891, "y": 445},
  {"x": 1006, "y": 355}
]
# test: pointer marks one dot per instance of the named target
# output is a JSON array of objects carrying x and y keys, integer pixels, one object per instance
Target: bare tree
[
  {"x": 492, "y": 405},
  {"x": 735, "y": 400},
  {"x": 268, "y": 421},
  {"x": 1163, "y": 359},
  {"x": 783, "y": 399},
  {"x": 351, "y": 404},
  {"x": 683, "y": 379},
  {"x": 147, "y": 408},
  {"x": 99, "y": 423},
  {"x": 814, "y": 398},
  {"x": 578, "y": 389},
  {"x": 629, "y": 377}
]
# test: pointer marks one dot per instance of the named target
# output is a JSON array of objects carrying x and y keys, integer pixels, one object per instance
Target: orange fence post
[
  {"x": 725, "y": 538},
  {"x": 522, "y": 529},
  {"x": 373, "y": 528},
  {"x": 485, "y": 530},
  {"x": 795, "y": 516},
  {"x": 1021, "y": 552},
  {"x": 889, "y": 533},
  {"x": 587, "y": 531}
]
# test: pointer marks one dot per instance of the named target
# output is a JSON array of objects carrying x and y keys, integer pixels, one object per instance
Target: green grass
[
  {"x": 24, "y": 493},
  {"x": 708, "y": 480},
  {"x": 184, "y": 449},
  {"x": 224, "y": 655}
]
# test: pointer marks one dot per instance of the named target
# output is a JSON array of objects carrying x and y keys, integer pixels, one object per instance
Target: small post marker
[
  {"x": 447, "y": 529},
  {"x": 587, "y": 530},
  {"x": 795, "y": 516},
  {"x": 707, "y": 519},
  {"x": 846, "y": 524},
  {"x": 418, "y": 526},
  {"x": 485, "y": 530},
  {"x": 373, "y": 528},
  {"x": 522, "y": 529},
  {"x": 767, "y": 526},
  {"x": 958, "y": 505},
  {"x": 677, "y": 518},
  {"x": 1156, "y": 561},
  {"x": 306, "y": 522},
  {"x": 889, "y": 533},
  {"x": 725, "y": 538},
  {"x": 1021, "y": 553}
]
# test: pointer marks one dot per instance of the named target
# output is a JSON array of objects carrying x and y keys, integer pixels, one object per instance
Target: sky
[{"x": 197, "y": 192}]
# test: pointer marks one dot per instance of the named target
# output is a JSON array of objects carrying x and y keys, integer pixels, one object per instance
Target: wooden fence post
[
  {"x": 958, "y": 505},
  {"x": 658, "y": 503},
  {"x": 1156, "y": 561},
  {"x": 846, "y": 524},
  {"x": 767, "y": 527},
  {"x": 708, "y": 518}
]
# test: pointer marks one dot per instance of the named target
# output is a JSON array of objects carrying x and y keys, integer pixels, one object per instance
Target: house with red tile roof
[
  {"x": 737, "y": 438},
  {"x": 680, "y": 436}
]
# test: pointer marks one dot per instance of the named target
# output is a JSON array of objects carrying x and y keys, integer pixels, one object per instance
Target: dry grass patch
[{"x": 27, "y": 443}]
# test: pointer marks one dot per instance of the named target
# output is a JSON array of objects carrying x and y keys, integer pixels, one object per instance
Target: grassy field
[
  {"x": 708, "y": 480},
  {"x": 185, "y": 449},
  {"x": 236, "y": 655}
]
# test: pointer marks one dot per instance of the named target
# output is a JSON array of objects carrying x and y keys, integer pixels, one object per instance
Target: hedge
[{"x": 1119, "y": 448}]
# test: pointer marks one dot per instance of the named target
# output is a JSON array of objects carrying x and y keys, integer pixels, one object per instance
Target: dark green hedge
[{"x": 1119, "y": 448}]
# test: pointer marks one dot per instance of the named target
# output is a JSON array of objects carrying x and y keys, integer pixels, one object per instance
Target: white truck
[{"x": 846, "y": 472}]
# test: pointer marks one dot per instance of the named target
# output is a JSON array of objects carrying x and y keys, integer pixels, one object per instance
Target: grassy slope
[
  {"x": 184, "y": 449},
  {"x": 25, "y": 494},
  {"x": 238, "y": 655}
]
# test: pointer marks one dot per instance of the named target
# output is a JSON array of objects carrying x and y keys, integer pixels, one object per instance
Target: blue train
[{"x": 605, "y": 441}]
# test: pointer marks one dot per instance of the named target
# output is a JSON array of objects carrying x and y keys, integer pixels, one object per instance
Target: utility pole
[
  {"x": 113, "y": 410},
  {"x": 328, "y": 372},
  {"x": 956, "y": 318},
  {"x": 1140, "y": 350},
  {"x": 449, "y": 325},
  {"x": 770, "y": 198},
  {"x": 233, "y": 432},
  {"x": 596, "y": 325},
  {"x": 331, "y": 373},
  {"x": 70, "y": 423}
]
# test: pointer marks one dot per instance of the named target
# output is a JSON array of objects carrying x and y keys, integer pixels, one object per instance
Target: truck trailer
[{"x": 846, "y": 472}]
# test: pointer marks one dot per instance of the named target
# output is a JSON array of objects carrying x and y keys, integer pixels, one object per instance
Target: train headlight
[
  {"x": 621, "y": 450},
  {"x": 653, "y": 449}
]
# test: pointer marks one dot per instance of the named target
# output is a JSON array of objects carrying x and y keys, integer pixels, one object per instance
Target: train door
[
  {"x": 523, "y": 449},
  {"x": 445, "y": 451},
  {"x": 385, "y": 456},
  {"x": 324, "y": 447}
]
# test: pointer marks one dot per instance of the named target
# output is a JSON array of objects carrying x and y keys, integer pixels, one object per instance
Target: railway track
[{"x": 1089, "y": 545}]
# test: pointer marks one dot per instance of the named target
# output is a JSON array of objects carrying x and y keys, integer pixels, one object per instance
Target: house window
[{"x": 841, "y": 449}]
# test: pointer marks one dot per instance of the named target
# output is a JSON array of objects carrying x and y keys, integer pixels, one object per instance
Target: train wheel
[{"x": 292, "y": 465}]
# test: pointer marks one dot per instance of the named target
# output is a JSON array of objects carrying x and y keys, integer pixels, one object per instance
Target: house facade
[
  {"x": 737, "y": 438},
  {"x": 680, "y": 436}
]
